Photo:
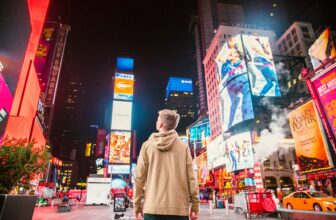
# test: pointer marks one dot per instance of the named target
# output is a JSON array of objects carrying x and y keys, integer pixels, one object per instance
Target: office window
[
  {"x": 304, "y": 29},
  {"x": 288, "y": 37},
  {"x": 306, "y": 35},
  {"x": 293, "y": 31},
  {"x": 295, "y": 38}
]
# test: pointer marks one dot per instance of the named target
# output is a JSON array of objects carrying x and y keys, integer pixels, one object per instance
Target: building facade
[{"x": 180, "y": 97}]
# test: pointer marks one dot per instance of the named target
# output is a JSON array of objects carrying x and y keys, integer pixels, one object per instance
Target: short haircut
[{"x": 169, "y": 118}]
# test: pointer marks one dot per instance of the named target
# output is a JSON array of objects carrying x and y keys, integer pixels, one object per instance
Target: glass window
[
  {"x": 290, "y": 43},
  {"x": 288, "y": 37},
  {"x": 297, "y": 47},
  {"x": 296, "y": 195},
  {"x": 306, "y": 35},
  {"x": 293, "y": 31},
  {"x": 295, "y": 38},
  {"x": 304, "y": 195},
  {"x": 304, "y": 29}
]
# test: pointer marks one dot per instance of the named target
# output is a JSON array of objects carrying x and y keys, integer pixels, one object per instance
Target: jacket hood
[{"x": 163, "y": 140}]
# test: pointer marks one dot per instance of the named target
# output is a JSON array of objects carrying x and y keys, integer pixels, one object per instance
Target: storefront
[{"x": 324, "y": 180}]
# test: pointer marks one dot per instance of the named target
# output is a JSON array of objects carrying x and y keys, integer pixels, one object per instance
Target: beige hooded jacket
[{"x": 164, "y": 176}]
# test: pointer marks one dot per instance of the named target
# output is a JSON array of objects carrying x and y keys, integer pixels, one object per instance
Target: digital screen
[
  {"x": 199, "y": 133},
  {"x": 322, "y": 49},
  {"x": 125, "y": 64},
  {"x": 326, "y": 92},
  {"x": 123, "y": 86},
  {"x": 236, "y": 102},
  {"x": 230, "y": 61},
  {"x": 310, "y": 144},
  {"x": 120, "y": 147},
  {"x": 178, "y": 84},
  {"x": 119, "y": 169},
  {"x": 216, "y": 153},
  {"x": 121, "y": 115},
  {"x": 260, "y": 65},
  {"x": 238, "y": 149},
  {"x": 6, "y": 101},
  {"x": 202, "y": 168}
]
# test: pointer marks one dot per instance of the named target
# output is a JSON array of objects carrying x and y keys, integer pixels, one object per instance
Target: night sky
[{"x": 155, "y": 34}]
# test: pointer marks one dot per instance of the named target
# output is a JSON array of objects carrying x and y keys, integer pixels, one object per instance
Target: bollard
[
  {"x": 210, "y": 207},
  {"x": 226, "y": 207}
]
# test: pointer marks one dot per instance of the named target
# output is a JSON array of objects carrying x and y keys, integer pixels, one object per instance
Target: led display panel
[
  {"x": 238, "y": 149},
  {"x": 125, "y": 64},
  {"x": 120, "y": 147},
  {"x": 310, "y": 142},
  {"x": 322, "y": 49},
  {"x": 260, "y": 65},
  {"x": 123, "y": 86},
  {"x": 230, "y": 61},
  {"x": 236, "y": 102},
  {"x": 325, "y": 87},
  {"x": 121, "y": 115},
  {"x": 119, "y": 169}
]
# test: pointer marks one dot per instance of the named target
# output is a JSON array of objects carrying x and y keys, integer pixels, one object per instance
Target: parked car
[{"x": 310, "y": 200}]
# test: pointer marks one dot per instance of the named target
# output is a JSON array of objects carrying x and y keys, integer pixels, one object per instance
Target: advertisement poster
[
  {"x": 120, "y": 147},
  {"x": 322, "y": 49},
  {"x": 6, "y": 100},
  {"x": 202, "y": 168},
  {"x": 216, "y": 153},
  {"x": 199, "y": 134},
  {"x": 230, "y": 61},
  {"x": 238, "y": 150},
  {"x": 326, "y": 91},
  {"x": 123, "y": 86},
  {"x": 235, "y": 102},
  {"x": 101, "y": 142},
  {"x": 260, "y": 65},
  {"x": 119, "y": 169},
  {"x": 121, "y": 115},
  {"x": 44, "y": 53},
  {"x": 310, "y": 143}
]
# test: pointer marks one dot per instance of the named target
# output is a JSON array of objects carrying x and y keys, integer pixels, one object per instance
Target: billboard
[
  {"x": 178, "y": 84},
  {"x": 88, "y": 149},
  {"x": 216, "y": 153},
  {"x": 310, "y": 143},
  {"x": 322, "y": 49},
  {"x": 120, "y": 147},
  {"x": 125, "y": 64},
  {"x": 44, "y": 52},
  {"x": 6, "y": 100},
  {"x": 121, "y": 115},
  {"x": 230, "y": 61},
  {"x": 119, "y": 169},
  {"x": 123, "y": 86},
  {"x": 101, "y": 142},
  {"x": 202, "y": 168},
  {"x": 260, "y": 65},
  {"x": 325, "y": 87},
  {"x": 236, "y": 102},
  {"x": 199, "y": 133},
  {"x": 239, "y": 148}
]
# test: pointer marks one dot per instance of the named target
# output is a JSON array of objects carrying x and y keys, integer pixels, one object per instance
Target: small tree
[{"x": 20, "y": 162}]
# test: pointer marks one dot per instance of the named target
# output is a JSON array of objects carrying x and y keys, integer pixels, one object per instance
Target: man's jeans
[{"x": 164, "y": 217}]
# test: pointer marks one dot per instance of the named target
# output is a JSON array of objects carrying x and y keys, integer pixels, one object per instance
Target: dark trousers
[{"x": 164, "y": 217}]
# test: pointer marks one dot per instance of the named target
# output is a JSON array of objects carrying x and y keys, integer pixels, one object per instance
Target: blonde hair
[{"x": 169, "y": 118}]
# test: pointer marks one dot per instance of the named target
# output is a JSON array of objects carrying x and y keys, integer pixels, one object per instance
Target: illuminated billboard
[
  {"x": 178, "y": 84},
  {"x": 120, "y": 147},
  {"x": 235, "y": 153},
  {"x": 123, "y": 86},
  {"x": 6, "y": 101},
  {"x": 199, "y": 133},
  {"x": 125, "y": 64},
  {"x": 260, "y": 65},
  {"x": 202, "y": 168},
  {"x": 239, "y": 149},
  {"x": 310, "y": 143},
  {"x": 325, "y": 87},
  {"x": 121, "y": 115},
  {"x": 216, "y": 153},
  {"x": 236, "y": 102},
  {"x": 44, "y": 52},
  {"x": 230, "y": 61},
  {"x": 322, "y": 49},
  {"x": 119, "y": 169}
]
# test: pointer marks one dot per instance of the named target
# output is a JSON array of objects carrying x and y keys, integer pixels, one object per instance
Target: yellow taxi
[{"x": 310, "y": 200}]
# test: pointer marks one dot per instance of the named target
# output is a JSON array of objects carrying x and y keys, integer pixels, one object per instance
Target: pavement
[{"x": 106, "y": 212}]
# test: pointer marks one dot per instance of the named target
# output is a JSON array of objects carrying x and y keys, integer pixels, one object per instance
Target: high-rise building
[
  {"x": 211, "y": 71},
  {"x": 202, "y": 27},
  {"x": 68, "y": 175},
  {"x": 179, "y": 97}
]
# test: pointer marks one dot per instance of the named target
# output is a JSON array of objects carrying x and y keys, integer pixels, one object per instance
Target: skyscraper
[{"x": 179, "y": 97}]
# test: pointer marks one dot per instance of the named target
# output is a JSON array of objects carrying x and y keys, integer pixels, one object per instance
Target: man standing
[{"x": 164, "y": 176}]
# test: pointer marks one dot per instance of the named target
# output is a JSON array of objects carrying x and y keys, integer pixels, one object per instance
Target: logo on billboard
[{"x": 123, "y": 88}]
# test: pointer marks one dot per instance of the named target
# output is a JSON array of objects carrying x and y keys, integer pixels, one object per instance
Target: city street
[{"x": 105, "y": 212}]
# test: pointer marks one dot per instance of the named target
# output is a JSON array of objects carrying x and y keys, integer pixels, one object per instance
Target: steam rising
[{"x": 269, "y": 138}]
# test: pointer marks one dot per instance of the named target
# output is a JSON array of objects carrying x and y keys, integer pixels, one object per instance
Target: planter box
[{"x": 18, "y": 207}]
